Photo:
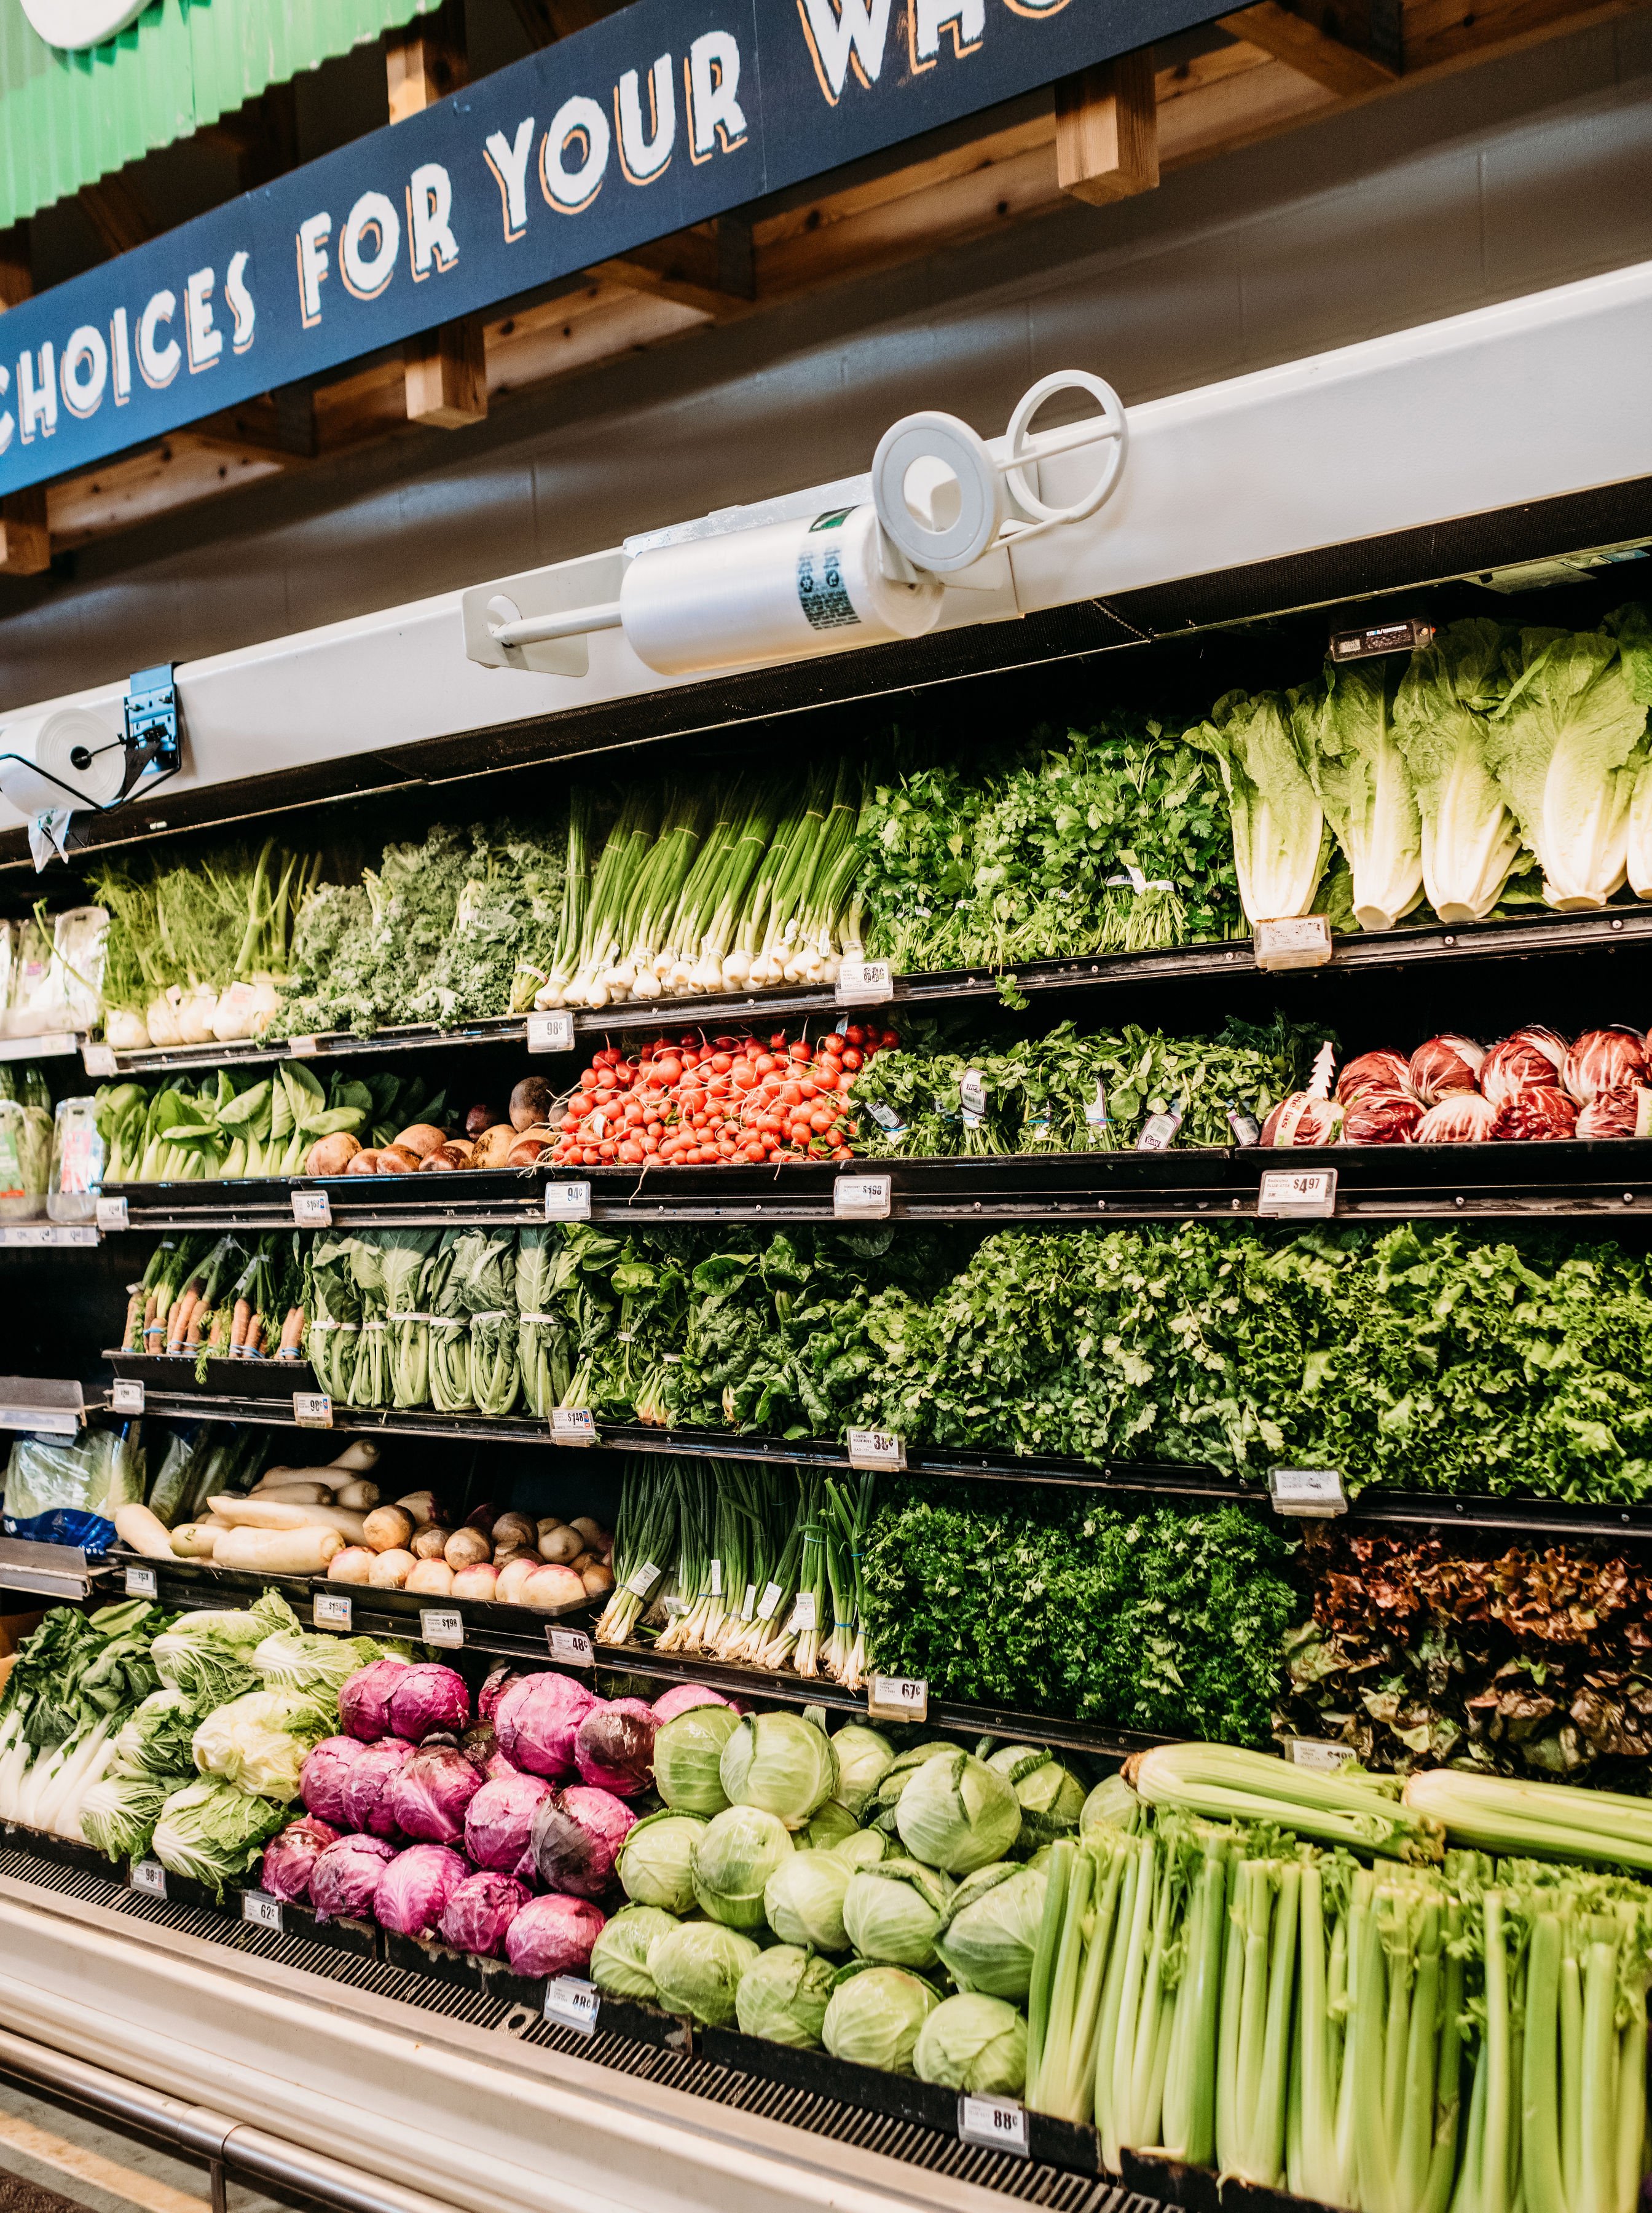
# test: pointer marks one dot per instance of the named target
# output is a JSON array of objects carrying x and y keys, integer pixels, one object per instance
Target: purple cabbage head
[
  {"x": 429, "y": 1697},
  {"x": 415, "y": 1887},
  {"x": 366, "y": 1787},
  {"x": 324, "y": 1774},
  {"x": 479, "y": 1743},
  {"x": 480, "y": 1912},
  {"x": 427, "y": 1800},
  {"x": 499, "y": 1681},
  {"x": 364, "y": 1699},
  {"x": 290, "y": 1859},
  {"x": 614, "y": 1747},
  {"x": 553, "y": 1936},
  {"x": 346, "y": 1876},
  {"x": 499, "y": 1767},
  {"x": 499, "y": 1823},
  {"x": 576, "y": 1837},
  {"x": 536, "y": 1720},
  {"x": 680, "y": 1697}
]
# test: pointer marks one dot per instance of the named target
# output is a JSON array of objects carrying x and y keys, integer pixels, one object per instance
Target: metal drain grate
[{"x": 1028, "y": 2182}]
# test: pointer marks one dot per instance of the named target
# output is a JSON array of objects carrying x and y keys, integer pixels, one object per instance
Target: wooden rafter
[
  {"x": 1107, "y": 131},
  {"x": 1309, "y": 49}
]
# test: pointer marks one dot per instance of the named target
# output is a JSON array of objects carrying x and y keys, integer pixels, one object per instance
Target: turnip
[
  {"x": 430, "y": 1542},
  {"x": 390, "y": 1571},
  {"x": 532, "y": 1102},
  {"x": 434, "y": 1577},
  {"x": 550, "y": 1588},
  {"x": 388, "y": 1529},
  {"x": 561, "y": 1546},
  {"x": 479, "y": 1580},
  {"x": 421, "y": 1505},
  {"x": 355, "y": 1564},
  {"x": 466, "y": 1548},
  {"x": 513, "y": 1579}
]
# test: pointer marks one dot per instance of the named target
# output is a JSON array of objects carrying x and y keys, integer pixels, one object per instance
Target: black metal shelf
[
  {"x": 1142, "y": 1482},
  {"x": 1521, "y": 937},
  {"x": 1603, "y": 1179}
]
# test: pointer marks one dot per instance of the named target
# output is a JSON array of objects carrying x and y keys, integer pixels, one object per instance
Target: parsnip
[
  {"x": 302, "y": 1551},
  {"x": 145, "y": 1531}
]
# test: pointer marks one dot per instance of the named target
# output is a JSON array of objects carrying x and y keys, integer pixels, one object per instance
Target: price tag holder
[
  {"x": 568, "y": 1201},
  {"x": 1303, "y": 942},
  {"x": 333, "y": 1610},
  {"x": 571, "y": 2003},
  {"x": 148, "y": 1877},
  {"x": 865, "y": 983},
  {"x": 572, "y": 1647},
  {"x": 876, "y": 1450},
  {"x": 572, "y": 1425},
  {"x": 112, "y": 1214},
  {"x": 312, "y": 1410},
  {"x": 312, "y": 1209},
  {"x": 140, "y": 1583},
  {"x": 898, "y": 1698},
  {"x": 304, "y": 1048},
  {"x": 862, "y": 1197},
  {"x": 551, "y": 1033},
  {"x": 101, "y": 1062},
  {"x": 1297, "y": 1194},
  {"x": 998, "y": 2124},
  {"x": 1315, "y": 1494},
  {"x": 442, "y": 1625},
  {"x": 261, "y": 1910},
  {"x": 126, "y": 1399},
  {"x": 1318, "y": 1756}
]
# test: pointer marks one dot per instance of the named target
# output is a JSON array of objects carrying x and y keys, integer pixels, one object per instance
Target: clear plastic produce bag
[
  {"x": 77, "y": 1162},
  {"x": 25, "y": 1156},
  {"x": 64, "y": 1491}
]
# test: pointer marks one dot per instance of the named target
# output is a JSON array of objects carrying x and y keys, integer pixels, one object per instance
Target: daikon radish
[
  {"x": 358, "y": 1493},
  {"x": 194, "y": 1540},
  {"x": 302, "y": 1551},
  {"x": 359, "y": 1457},
  {"x": 274, "y": 1514},
  {"x": 145, "y": 1531},
  {"x": 296, "y": 1494}
]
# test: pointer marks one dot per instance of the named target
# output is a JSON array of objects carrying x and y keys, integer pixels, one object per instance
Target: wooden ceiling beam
[
  {"x": 1107, "y": 131},
  {"x": 1312, "y": 52},
  {"x": 445, "y": 369}
]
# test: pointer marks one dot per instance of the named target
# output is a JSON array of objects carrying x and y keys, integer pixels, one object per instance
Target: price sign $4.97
[{"x": 1305, "y": 1194}]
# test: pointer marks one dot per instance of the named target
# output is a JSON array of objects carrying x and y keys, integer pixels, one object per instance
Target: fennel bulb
[
  {"x": 1471, "y": 845},
  {"x": 1360, "y": 777},
  {"x": 1280, "y": 841}
]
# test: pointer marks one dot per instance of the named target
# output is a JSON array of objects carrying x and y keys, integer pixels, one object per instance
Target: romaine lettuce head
[
  {"x": 976, "y": 2044},
  {"x": 733, "y": 1860},
  {"x": 655, "y": 1864},
  {"x": 875, "y": 2016},
  {"x": 619, "y": 1958},
  {"x": 1471, "y": 846},
  {"x": 783, "y": 1996},
  {"x": 1281, "y": 844},
  {"x": 212, "y": 1832},
  {"x": 892, "y": 1912},
  {"x": 1358, "y": 770},
  {"x": 697, "y": 1969},
  {"x": 957, "y": 1813},
  {"x": 990, "y": 1929},
  {"x": 258, "y": 1741},
  {"x": 780, "y": 1762},
  {"x": 803, "y": 1900}
]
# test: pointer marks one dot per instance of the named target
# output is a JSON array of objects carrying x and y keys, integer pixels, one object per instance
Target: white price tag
[
  {"x": 261, "y": 1910},
  {"x": 772, "y": 1597},
  {"x": 333, "y": 1610},
  {"x": 126, "y": 1399},
  {"x": 802, "y": 1613},
  {"x": 571, "y": 2003},
  {"x": 865, "y": 983},
  {"x": 641, "y": 1580},
  {"x": 304, "y": 1048},
  {"x": 861, "y": 1198},
  {"x": 716, "y": 1578},
  {"x": 1302, "y": 942},
  {"x": 442, "y": 1626},
  {"x": 971, "y": 1095},
  {"x": 140, "y": 1583},
  {"x": 875, "y": 1449},
  {"x": 568, "y": 1201},
  {"x": 148, "y": 1877},
  {"x": 572, "y": 1425},
  {"x": 100, "y": 1061},
  {"x": 898, "y": 1698},
  {"x": 999, "y": 2124},
  {"x": 1315, "y": 1493},
  {"x": 1158, "y": 1133},
  {"x": 312, "y": 1410},
  {"x": 112, "y": 1214},
  {"x": 313, "y": 1209},
  {"x": 572, "y": 1647},
  {"x": 1303, "y": 1194},
  {"x": 1321, "y": 1758},
  {"x": 551, "y": 1033}
]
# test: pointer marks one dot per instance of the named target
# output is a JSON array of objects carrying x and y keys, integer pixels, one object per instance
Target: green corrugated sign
[{"x": 68, "y": 118}]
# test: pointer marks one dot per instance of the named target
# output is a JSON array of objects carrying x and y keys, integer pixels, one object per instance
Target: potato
[
  {"x": 396, "y": 1159},
  {"x": 515, "y": 1529},
  {"x": 366, "y": 1162},
  {"x": 466, "y": 1548},
  {"x": 493, "y": 1146},
  {"x": 390, "y": 1571},
  {"x": 512, "y": 1577},
  {"x": 430, "y": 1542},
  {"x": 422, "y": 1138},
  {"x": 332, "y": 1156},
  {"x": 563, "y": 1544},
  {"x": 388, "y": 1529},
  {"x": 355, "y": 1564},
  {"x": 597, "y": 1580},
  {"x": 432, "y": 1577},
  {"x": 593, "y": 1532},
  {"x": 551, "y": 1589},
  {"x": 478, "y": 1581},
  {"x": 531, "y": 1102},
  {"x": 358, "y": 1493}
]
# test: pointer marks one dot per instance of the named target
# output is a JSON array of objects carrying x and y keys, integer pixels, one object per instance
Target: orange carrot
[{"x": 242, "y": 1322}]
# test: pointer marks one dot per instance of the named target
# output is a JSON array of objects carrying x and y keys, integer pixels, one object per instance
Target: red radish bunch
[{"x": 696, "y": 1102}]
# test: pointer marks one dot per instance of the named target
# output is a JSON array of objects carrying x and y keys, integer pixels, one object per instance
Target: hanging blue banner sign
[{"x": 666, "y": 114}]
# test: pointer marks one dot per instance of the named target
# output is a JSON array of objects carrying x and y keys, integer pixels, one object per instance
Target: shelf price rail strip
[
  {"x": 1518, "y": 938},
  {"x": 1183, "y": 1484}
]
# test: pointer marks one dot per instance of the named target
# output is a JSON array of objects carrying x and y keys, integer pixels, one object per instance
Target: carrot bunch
[{"x": 698, "y": 1101}]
